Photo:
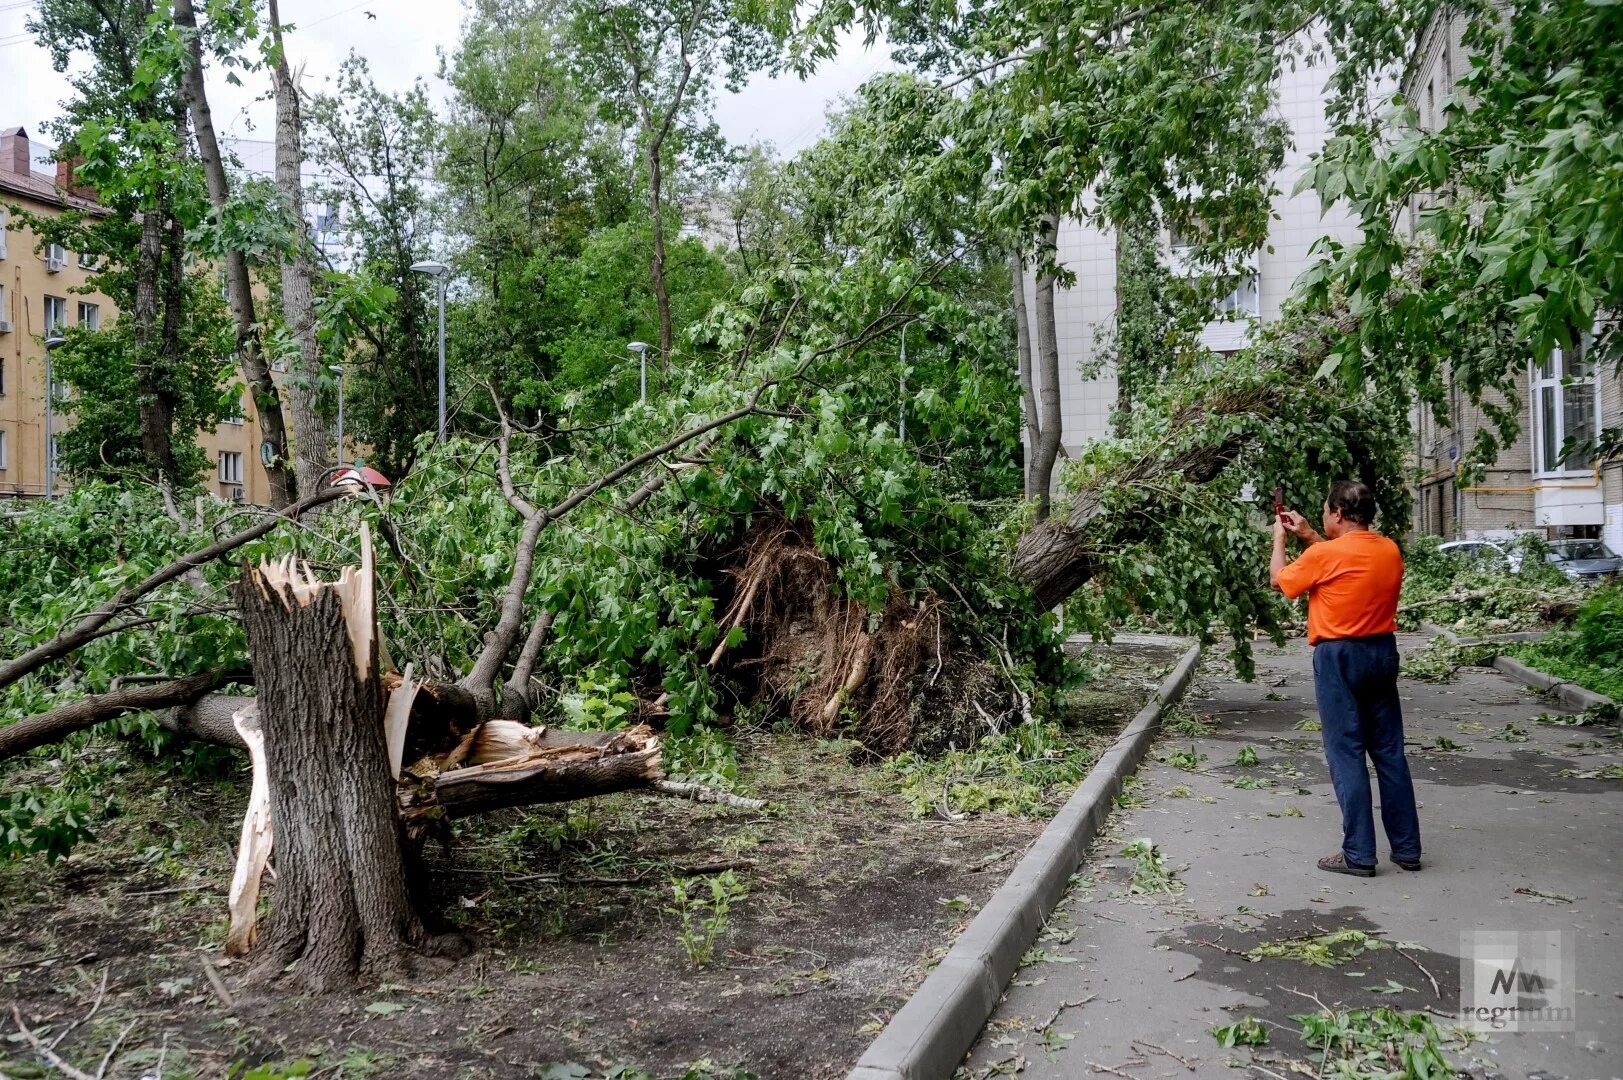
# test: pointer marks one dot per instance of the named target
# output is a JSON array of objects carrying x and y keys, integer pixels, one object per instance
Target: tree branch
[
  {"x": 62, "y": 721},
  {"x": 87, "y": 628}
]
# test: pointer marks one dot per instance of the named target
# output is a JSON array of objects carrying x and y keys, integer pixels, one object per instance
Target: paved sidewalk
[{"x": 1514, "y": 841}]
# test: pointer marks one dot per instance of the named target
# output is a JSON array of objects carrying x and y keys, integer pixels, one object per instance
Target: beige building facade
[
  {"x": 43, "y": 287},
  {"x": 1530, "y": 488}
]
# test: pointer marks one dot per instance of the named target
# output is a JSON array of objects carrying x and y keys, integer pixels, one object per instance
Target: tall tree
[
  {"x": 251, "y": 363},
  {"x": 124, "y": 133},
  {"x": 653, "y": 65},
  {"x": 310, "y": 433},
  {"x": 379, "y": 151}
]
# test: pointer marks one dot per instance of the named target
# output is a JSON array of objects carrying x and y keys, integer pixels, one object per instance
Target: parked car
[
  {"x": 1484, "y": 552},
  {"x": 1588, "y": 561}
]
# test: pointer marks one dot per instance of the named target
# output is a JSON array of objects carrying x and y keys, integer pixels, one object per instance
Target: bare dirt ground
[{"x": 579, "y": 969}]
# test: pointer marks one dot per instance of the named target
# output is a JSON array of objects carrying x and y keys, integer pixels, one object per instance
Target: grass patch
[{"x": 1013, "y": 773}]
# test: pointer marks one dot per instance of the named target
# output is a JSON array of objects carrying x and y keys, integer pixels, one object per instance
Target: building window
[
  {"x": 89, "y": 316},
  {"x": 1564, "y": 407},
  {"x": 1244, "y": 300},
  {"x": 3, "y": 234},
  {"x": 88, "y": 260},
  {"x": 236, "y": 415},
  {"x": 230, "y": 467},
  {"x": 56, "y": 256},
  {"x": 56, "y": 313},
  {"x": 2, "y": 450}
]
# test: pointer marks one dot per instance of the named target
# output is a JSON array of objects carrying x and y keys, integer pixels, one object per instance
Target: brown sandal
[{"x": 1338, "y": 864}]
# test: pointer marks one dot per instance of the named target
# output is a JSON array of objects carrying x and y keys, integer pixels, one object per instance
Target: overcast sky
[{"x": 402, "y": 44}]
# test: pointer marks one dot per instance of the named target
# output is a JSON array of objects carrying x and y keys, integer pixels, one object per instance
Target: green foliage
[
  {"x": 1011, "y": 773},
  {"x": 703, "y": 907},
  {"x": 1151, "y": 874},
  {"x": 1480, "y": 595},
  {"x": 1524, "y": 252},
  {"x": 46, "y": 821},
  {"x": 1591, "y": 654},
  {"x": 1247, "y": 1031},
  {"x": 1322, "y": 950},
  {"x": 1247, "y": 756},
  {"x": 1376, "y": 1044}
]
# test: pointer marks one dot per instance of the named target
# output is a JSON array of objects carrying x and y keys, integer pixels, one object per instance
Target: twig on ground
[
  {"x": 1185, "y": 1062},
  {"x": 700, "y": 793},
  {"x": 46, "y": 1052},
  {"x": 1435, "y": 989},
  {"x": 1045, "y": 1025},
  {"x": 1266, "y": 1072},
  {"x": 101, "y": 995},
  {"x": 1219, "y": 948},
  {"x": 85, "y": 959},
  {"x": 1134, "y": 1062},
  {"x": 107, "y": 1058},
  {"x": 216, "y": 983}
]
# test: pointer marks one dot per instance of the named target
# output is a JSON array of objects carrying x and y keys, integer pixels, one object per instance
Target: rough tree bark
[
  {"x": 154, "y": 404},
  {"x": 298, "y": 297},
  {"x": 1041, "y": 473},
  {"x": 341, "y": 908},
  {"x": 1022, "y": 341},
  {"x": 256, "y": 373}
]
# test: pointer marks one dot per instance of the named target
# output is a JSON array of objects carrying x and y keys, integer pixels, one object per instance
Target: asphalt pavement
[{"x": 1520, "y": 824}]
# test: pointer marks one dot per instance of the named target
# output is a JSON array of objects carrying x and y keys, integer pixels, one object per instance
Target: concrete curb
[
  {"x": 928, "y": 1036},
  {"x": 1569, "y": 692}
]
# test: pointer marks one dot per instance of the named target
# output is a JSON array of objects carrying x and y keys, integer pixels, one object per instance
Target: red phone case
[{"x": 1279, "y": 501}]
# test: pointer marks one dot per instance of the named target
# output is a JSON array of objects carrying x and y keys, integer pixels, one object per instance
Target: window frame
[
  {"x": 4, "y": 449},
  {"x": 233, "y": 457},
  {"x": 59, "y": 252},
  {"x": 4, "y": 221},
  {"x": 60, "y": 324},
  {"x": 1552, "y": 376},
  {"x": 82, "y": 306}
]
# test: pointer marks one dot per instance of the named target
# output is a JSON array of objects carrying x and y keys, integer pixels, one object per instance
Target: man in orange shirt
[{"x": 1352, "y": 577}]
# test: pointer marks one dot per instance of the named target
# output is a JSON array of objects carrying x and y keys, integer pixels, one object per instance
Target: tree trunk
[
  {"x": 298, "y": 299},
  {"x": 256, "y": 373},
  {"x": 656, "y": 208},
  {"x": 340, "y": 907},
  {"x": 156, "y": 417},
  {"x": 1047, "y": 452},
  {"x": 1022, "y": 341}
]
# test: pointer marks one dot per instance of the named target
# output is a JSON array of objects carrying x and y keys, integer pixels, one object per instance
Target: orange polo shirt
[{"x": 1354, "y": 582}]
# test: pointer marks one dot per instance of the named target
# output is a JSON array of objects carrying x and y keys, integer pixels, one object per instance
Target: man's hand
[{"x": 1294, "y": 524}]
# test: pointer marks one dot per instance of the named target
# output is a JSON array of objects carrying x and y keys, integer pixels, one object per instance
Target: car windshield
[{"x": 1565, "y": 550}]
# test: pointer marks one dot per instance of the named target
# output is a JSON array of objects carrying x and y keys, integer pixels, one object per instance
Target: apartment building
[
  {"x": 1083, "y": 312},
  {"x": 1530, "y": 488},
  {"x": 43, "y": 287}
]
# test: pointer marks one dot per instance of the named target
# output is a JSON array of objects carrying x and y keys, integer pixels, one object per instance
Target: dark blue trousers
[{"x": 1356, "y": 683}]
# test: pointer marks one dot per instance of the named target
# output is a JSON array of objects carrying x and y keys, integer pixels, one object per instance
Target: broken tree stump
[{"x": 340, "y": 906}]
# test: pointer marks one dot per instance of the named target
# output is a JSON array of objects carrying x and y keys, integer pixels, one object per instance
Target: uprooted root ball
[{"x": 901, "y": 680}]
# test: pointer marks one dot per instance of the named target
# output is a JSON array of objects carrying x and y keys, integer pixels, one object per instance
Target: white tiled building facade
[{"x": 1082, "y": 312}]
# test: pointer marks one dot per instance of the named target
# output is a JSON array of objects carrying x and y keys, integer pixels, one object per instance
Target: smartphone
[{"x": 1279, "y": 500}]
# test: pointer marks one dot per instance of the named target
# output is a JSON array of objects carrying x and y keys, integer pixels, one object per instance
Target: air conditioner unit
[
  {"x": 236, "y": 494},
  {"x": 55, "y": 266},
  {"x": 5, "y": 326}
]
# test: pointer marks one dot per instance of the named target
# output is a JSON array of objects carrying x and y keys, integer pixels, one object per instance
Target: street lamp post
[
  {"x": 52, "y": 343},
  {"x": 338, "y": 369},
  {"x": 438, "y": 271},
  {"x": 641, "y": 349}
]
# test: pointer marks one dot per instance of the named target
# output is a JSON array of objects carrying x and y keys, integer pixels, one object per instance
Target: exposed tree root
[{"x": 896, "y": 681}]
